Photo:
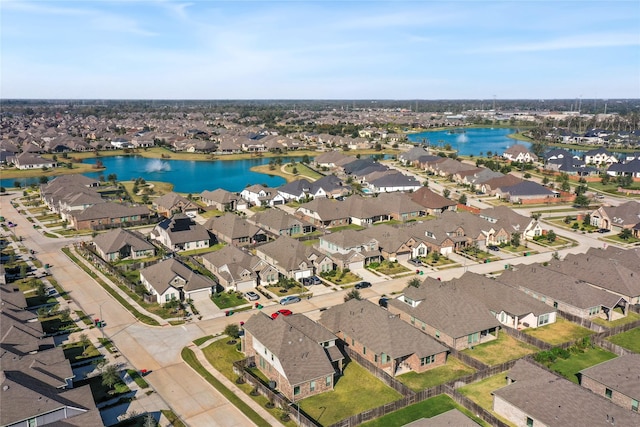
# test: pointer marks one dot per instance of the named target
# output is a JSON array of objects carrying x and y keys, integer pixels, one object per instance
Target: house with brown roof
[
  {"x": 25, "y": 161},
  {"x": 259, "y": 195},
  {"x": 400, "y": 206},
  {"x": 564, "y": 292},
  {"x": 238, "y": 270},
  {"x": 293, "y": 259},
  {"x": 519, "y": 153},
  {"x": 432, "y": 203},
  {"x": 299, "y": 355},
  {"x": 394, "y": 243},
  {"x": 106, "y": 215},
  {"x": 276, "y": 222},
  {"x": 451, "y": 418},
  {"x": 384, "y": 340},
  {"x": 325, "y": 213},
  {"x": 492, "y": 185},
  {"x": 616, "y": 379},
  {"x": 534, "y": 396},
  {"x": 447, "y": 313},
  {"x": 173, "y": 203},
  {"x": 171, "y": 280},
  {"x": 120, "y": 244},
  {"x": 221, "y": 199},
  {"x": 181, "y": 233},
  {"x": 234, "y": 230},
  {"x": 350, "y": 248},
  {"x": 617, "y": 218}
]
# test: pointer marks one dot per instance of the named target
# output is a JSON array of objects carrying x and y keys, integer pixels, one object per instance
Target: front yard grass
[
  {"x": 356, "y": 391},
  {"x": 426, "y": 409},
  {"x": 453, "y": 369},
  {"x": 389, "y": 268},
  {"x": 228, "y": 299},
  {"x": 500, "y": 350},
  {"x": 76, "y": 352},
  {"x": 559, "y": 332},
  {"x": 629, "y": 340},
  {"x": 570, "y": 367},
  {"x": 341, "y": 277}
]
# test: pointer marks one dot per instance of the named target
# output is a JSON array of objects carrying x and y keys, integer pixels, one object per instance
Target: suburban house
[
  {"x": 408, "y": 157},
  {"x": 234, "y": 230},
  {"x": 239, "y": 270},
  {"x": 70, "y": 192},
  {"x": 259, "y": 195},
  {"x": 616, "y": 379},
  {"x": 630, "y": 168},
  {"x": 519, "y": 153},
  {"x": 564, "y": 293},
  {"x": 25, "y": 160},
  {"x": 525, "y": 191},
  {"x": 331, "y": 159},
  {"x": 512, "y": 222},
  {"x": 534, "y": 396},
  {"x": 599, "y": 156},
  {"x": 120, "y": 244},
  {"x": 394, "y": 243},
  {"x": 432, "y": 203},
  {"x": 222, "y": 200},
  {"x": 293, "y": 259},
  {"x": 616, "y": 218},
  {"x": 181, "y": 233},
  {"x": 171, "y": 280},
  {"x": 106, "y": 215},
  {"x": 276, "y": 222},
  {"x": 299, "y": 355},
  {"x": 366, "y": 211},
  {"x": 451, "y": 418},
  {"x": 386, "y": 341},
  {"x": 302, "y": 189},
  {"x": 400, "y": 206},
  {"x": 603, "y": 274},
  {"x": 391, "y": 181},
  {"x": 492, "y": 185},
  {"x": 350, "y": 248},
  {"x": 429, "y": 307},
  {"x": 173, "y": 203},
  {"x": 325, "y": 213}
]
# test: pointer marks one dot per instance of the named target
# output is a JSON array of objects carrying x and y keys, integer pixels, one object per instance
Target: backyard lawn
[
  {"x": 629, "y": 340},
  {"x": 356, "y": 391},
  {"x": 453, "y": 369},
  {"x": 426, "y": 409},
  {"x": 569, "y": 368},
  {"x": 480, "y": 392},
  {"x": 559, "y": 332},
  {"x": 500, "y": 350},
  {"x": 631, "y": 317}
]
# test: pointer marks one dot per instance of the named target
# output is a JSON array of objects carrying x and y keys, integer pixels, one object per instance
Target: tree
[
  {"x": 414, "y": 282},
  {"x": 605, "y": 179},
  {"x": 463, "y": 199},
  {"x": 586, "y": 220},
  {"x": 581, "y": 201},
  {"x": 515, "y": 240},
  {"x": 17, "y": 184},
  {"x": 565, "y": 186},
  {"x": 625, "y": 234},
  {"x": 112, "y": 177},
  {"x": 551, "y": 236},
  {"x": 446, "y": 193},
  {"x": 295, "y": 171},
  {"x": 149, "y": 421},
  {"x": 43, "y": 179},
  {"x": 232, "y": 330},
  {"x": 352, "y": 294},
  {"x": 545, "y": 180},
  {"x": 110, "y": 376},
  {"x": 84, "y": 340},
  {"x": 527, "y": 175}
]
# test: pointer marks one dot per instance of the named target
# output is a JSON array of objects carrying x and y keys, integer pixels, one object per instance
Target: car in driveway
[
  {"x": 289, "y": 300},
  {"x": 362, "y": 285},
  {"x": 383, "y": 302},
  {"x": 493, "y": 248},
  {"x": 252, "y": 296},
  {"x": 603, "y": 230},
  {"x": 310, "y": 281},
  {"x": 415, "y": 261},
  {"x": 282, "y": 311}
]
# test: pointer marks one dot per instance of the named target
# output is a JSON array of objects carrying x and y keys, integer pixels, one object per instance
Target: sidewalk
[{"x": 230, "y": 385}]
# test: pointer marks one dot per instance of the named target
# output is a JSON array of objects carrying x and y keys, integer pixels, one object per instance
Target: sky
[{"x": 348, "y": 49}]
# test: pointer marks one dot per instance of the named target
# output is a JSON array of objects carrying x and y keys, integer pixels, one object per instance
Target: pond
[{"x": 470, "y": 141}]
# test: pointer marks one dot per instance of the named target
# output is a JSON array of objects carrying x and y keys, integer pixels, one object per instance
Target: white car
[{"x": 252, "y": 296}]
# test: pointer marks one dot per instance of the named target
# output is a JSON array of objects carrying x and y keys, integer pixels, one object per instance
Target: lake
[{"x": 476, "y": 141}]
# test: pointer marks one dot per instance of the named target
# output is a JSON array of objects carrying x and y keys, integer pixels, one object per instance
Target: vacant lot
[
  {"x": 559, "y": 332},
  {"x": 629, "y": 340},
  {"x": 453, "y": 369},
  {"x": 356, "y": 391},
  {"x": 500, "y": 350}
]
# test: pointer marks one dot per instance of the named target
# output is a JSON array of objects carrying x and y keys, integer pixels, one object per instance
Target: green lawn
[
  {"x": 426, "y": 409},
  {"x": 228, "y": 300},
  {"x": 629, "y": 340},
  {"x": 453, "y": 369},
  {"x": 481, "y": 392},
  {"x": 559, "y": 332},
  {"x": 500, "y": 350},
  {"x": 135, "y": 375},
  {"x": 568, "y": 368},
  {"x": 391, "y": 268},
  {"x": 356, "y": 391},
  {"x": 76, "y": 351},
  {"x": 631, "y": 317},
  {"x": 222, "y": 355},
  {"x": 100, "y": 392}
]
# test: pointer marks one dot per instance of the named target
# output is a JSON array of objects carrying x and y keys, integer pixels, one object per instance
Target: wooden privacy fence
[{"x": 379, "y": 373}]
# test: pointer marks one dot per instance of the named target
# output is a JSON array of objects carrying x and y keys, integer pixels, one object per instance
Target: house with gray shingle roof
[
  {"x": 392, "y": 181},
  {"x": 299, "y": 355},
  {"x": 325, "y": 212},
  {"x": 383, "y": 339},
  {"x": 524, "y": 190},
  {"x": 173, "y": 203},
  {"x": 447, "y": 313},
  {"x": 181, "y": 233},
  {"x": 119, "y": 244},
  {"x": 238, "y": 270},
  {"x": 616, "y": 379},
  {"x": 102, "y": 216},
  {"x": 221, "y": 199},
  {"x": 171, "y": 280},
  {"x": 350, "y": 248},
  {"x": 617, "y": 218},
  {"x": 534, "y": 396},
  {"x": 451, "y": 418},
  {"x": 234, "y": 230},
  {"x": 293, "y": 259},
  {"x": 277, "y": 222}
]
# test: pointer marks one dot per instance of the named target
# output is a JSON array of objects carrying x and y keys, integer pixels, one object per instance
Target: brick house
[
  {"x": 616, "y": 379},
  {"x": 296, "y": 353}
]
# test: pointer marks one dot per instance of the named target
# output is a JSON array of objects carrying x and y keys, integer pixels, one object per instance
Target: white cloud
[{"x": 584, "y": 41}]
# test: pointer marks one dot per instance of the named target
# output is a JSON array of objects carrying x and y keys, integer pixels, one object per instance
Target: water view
[{"x": 467, "y": 141}]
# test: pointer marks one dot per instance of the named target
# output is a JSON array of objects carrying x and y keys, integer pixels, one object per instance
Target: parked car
[
  {"x": 252, "y": 296},
  {"x": 282, "y": 311},
  {"x": 289, "y": 300},
  {"x": 416, "y": 262},
  {"x": 362, "y": 285},
  {"x": 493, "y": 248},
  {"x": 313, "y": 280},
  {"x": 603, "y": 230},
  {"x": 51, "y": 292}
]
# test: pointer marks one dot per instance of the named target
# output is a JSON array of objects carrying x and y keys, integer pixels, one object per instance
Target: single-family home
[
  {"x": 172, "y": 280},
  {"x": 27, "y": 160},
  {"x": 234, "y": 230},
  {"x": 173, "y": 203},
  {"x": 221, "y": 199},
  {"x": 433, "y": 203},
  {"x": 102, "y": 216},
  {"x": 120, "y": 243},
  {"x": 259, "y": 195},
  {"x": 616, "y": 379},
  {"x": 525, "y": 191},
  {"x": 276, "y": 222},
  {"x": 616, "y": 218},
  {"x": 519, "y": 153},
  {"x": 599, "y": 156},
  {"x": 343, "y": 246},
  {"x": 294, "y": 259},
  {"x": 181, "y": 233},
  {"x": 325, "y": 213}
]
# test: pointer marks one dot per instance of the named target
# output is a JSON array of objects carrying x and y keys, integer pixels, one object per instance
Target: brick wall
[{"x": 599, "y": 388}]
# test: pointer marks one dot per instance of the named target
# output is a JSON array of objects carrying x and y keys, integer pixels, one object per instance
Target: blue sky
[{"x": 419, "y": 49}]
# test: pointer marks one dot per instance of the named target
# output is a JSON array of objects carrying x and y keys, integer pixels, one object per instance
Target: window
[
  {"x": 529, "y": 422},
  {"x": 543, "y": 319},
  {"x": 328, "y": 381},
  {"x": 413, "y": 319},
  {"x": 364, "y": 350},
  {"x": 608, "y": 393},
  {"x": 312, "y": 386},
  {"x": 437, "y": 334},
  {"x": 424, "y": 326},
  {"x": 555, "y": 304},
  {"x": 427, "y": 360},
  {"x": 262, "y": 363},
  {"x": 296, "y": 390},
  {"x": 375, "y": 358},
  {"x": 353, "y": 342},
  {"x": 473, "y": 338},
  {"x": 634, "y": 405}
]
